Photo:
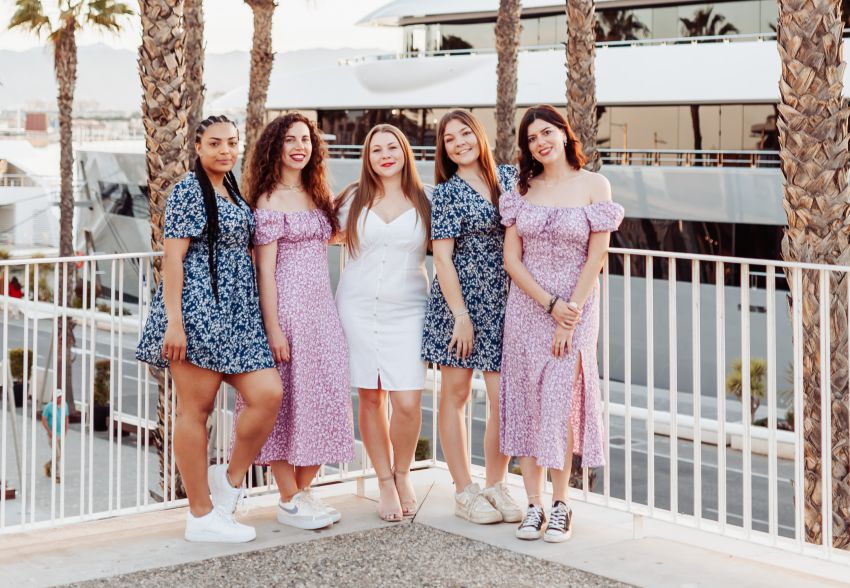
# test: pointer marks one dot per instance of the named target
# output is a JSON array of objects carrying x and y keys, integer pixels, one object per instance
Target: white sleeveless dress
[{"x": 381, "y": 298}]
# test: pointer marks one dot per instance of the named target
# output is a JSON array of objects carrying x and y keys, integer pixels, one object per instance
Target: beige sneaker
[
  {"x": 474, "y": 507},
  {"x": 500, "y": 498}
]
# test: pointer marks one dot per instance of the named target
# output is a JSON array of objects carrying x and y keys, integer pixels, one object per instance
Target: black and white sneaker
[
  {"x": 560, "y": 523},
  {"x": 531, "y": 526}
]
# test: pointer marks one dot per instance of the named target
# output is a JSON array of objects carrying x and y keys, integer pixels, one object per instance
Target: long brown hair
[
  {"x": 264, "y": 170},
  {"x": 530, "y": 167},
  {"x": 445, "y": 168},
  {"x": 370, "y": 187}
]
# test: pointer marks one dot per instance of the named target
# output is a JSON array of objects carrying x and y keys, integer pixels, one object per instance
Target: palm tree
[
  {"x": 507, "y": 46},
  {"x": 193, "y": 17},
  {"x": 704, "y": 24},
  {"x": 262, "y": 60},
  {"x": 581, "y": 76},
  {"x": 619, "y": 25},
  {"x": 61, "y": 32},
  {"x": 813, "y": 137},
  {"x": 165, "y": 108}
]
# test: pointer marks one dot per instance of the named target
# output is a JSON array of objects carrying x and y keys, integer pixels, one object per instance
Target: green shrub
[
  {"x": 16, "y": 364},
  {"x": 423, "y": 449},
  {"x": 758, "y": 382},
  {"x": 102, "y": 372}
]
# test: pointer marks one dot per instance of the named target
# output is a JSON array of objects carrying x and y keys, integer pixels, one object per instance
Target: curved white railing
[{"x": 680, "y": 450}]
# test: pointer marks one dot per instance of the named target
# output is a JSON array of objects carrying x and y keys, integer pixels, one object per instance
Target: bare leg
[
  {"x": 495, "y": 462},
  {"x": 284, "y": 475},
  {"x": 533, "y": 476},
  {"x": 196, "y": 390},
  {"x": 304, "y": 475},
  {"x": 561, "y": 478},
  {"x": 262, "y": 392},
  {"x": 405, "y": 425},
  {"x": 374, "y": 430},
  {"x": 454, "y": 395}
]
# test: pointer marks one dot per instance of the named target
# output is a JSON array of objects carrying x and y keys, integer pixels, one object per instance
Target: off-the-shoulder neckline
[
  {"x": 525, "y": 201},
  {"x": 286, "y": 211}
]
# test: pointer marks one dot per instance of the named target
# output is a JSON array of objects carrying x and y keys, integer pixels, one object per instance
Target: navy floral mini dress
[
  {"x": 459, "y": 212},
  {"x": 224, "y": 335}
]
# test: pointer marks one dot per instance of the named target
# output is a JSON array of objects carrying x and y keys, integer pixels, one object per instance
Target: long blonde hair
[{"x": 370, "y": 187}]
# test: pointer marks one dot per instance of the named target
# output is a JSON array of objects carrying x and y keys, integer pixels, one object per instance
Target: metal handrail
[{"x": 756, "y": 37}]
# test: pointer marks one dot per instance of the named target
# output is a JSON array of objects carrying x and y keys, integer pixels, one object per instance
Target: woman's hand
[
  {"x": 279, "y": 346},
  {"x": 462, "y": 337},
  {"x": 566, "y": 314},
  {"x": 174, "y": 343},
  {"x": 563, "y": 340}
]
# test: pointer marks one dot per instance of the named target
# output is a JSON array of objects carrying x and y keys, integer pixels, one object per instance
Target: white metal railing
[
  {"x": 654, "y": 157},
  {"x": 691, "y": 157},
  {"x": 745, "y": 37},
  {"x": 679, "y": 449}
]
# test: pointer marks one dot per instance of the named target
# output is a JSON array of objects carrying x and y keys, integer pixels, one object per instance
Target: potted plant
[
  {"x": 16, "y": 369},
  {"x": 100, "y": 408}
]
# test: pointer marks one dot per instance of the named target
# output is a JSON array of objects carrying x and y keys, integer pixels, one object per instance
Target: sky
[{"x": 298, "y": 24}]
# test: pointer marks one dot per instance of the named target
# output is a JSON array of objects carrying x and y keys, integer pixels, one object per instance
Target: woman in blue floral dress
[
  {"x": 466, "y": 309},
  {"x": 205, "y": 324}
]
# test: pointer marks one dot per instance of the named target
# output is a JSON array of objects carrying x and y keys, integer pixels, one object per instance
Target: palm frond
[
  {"x": 106, "y": 14},
  {"x": 29, "y": 15}
]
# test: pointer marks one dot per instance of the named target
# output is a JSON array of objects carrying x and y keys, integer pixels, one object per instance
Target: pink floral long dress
[
  {"x": 538, "y": 398},
  {"x": 314, "y": 425}
]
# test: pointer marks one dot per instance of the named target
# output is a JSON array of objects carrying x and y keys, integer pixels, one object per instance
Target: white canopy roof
[{"x": 677, "y": 74}]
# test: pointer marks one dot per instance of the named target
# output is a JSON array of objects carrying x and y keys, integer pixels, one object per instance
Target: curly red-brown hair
[{"x": 264, "y": 169}]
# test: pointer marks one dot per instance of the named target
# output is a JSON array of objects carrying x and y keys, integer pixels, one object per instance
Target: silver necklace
[{"x": 296, "y": 187}]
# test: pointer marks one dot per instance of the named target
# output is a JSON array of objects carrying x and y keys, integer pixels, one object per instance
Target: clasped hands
[{"x": 567, "y": 316}]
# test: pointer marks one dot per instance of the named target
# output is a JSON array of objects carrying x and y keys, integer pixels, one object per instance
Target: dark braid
[{"x": 210, "y": 200}]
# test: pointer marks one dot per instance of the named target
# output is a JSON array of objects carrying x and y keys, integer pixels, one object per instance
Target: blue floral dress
[
  {"x": 224, "y": 335},
  {"x": 459, "y": 212}
]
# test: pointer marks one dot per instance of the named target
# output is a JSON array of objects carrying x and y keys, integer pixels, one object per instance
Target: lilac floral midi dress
[
  {"x": 539, "y": 393},
  {"x": 314, "y": 425}
]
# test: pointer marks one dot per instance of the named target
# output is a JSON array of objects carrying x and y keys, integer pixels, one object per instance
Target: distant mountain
[{"x": 107, "y": 78}]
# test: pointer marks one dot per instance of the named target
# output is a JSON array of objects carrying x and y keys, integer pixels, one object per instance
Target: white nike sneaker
[
  {"x": 472, "y": 505},
  {"x": 322, "y": 505},
  {"x": 217, "y": 527},
  {"x": 302, "y": 513},
  {"x": 222, "y": 493}
]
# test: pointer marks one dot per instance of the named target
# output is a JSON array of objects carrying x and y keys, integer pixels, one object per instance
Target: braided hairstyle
[{"x": 210, "y": 200}]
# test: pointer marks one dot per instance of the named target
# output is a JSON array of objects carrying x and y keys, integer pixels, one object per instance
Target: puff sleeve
[
  {"x": 445, "y": 217},
  {"x": 604, "y": 217},
  {"x": 509, "y": 204},
  {"x": 508, "y": 177},
  {"x": 185, "y": 215}
]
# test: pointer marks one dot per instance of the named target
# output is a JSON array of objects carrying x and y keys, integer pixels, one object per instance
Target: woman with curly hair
[{"x": 293, "y": 206}]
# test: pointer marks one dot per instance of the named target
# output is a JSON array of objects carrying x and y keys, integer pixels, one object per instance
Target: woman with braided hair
[{"x": 205, "y": 325}]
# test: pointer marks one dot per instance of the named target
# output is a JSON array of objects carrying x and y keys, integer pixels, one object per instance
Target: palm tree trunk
[
  {"x": 813, "y": 139},
  {"x": 697, "y": 128},
  {"x": 65, "y": 67},
  {"x": 162, "y": 69},
  {"x": 262, "y": 60},
  {"x": 507, "y": 46},
  {"x": 581, "y": 76},
  {"x": 193, "y": 12}
]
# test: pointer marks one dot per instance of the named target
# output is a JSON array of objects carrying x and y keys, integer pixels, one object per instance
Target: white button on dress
[{"x": 381, "y": 298}]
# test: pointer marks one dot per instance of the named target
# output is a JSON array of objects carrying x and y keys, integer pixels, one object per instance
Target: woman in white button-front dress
[{"x": 381, "y": 297}]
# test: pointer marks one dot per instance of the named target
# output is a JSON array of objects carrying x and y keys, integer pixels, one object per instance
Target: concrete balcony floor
[{"x": 435, "y": 549}]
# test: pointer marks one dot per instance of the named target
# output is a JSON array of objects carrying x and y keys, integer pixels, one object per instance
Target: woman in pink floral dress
[
  {"x": 286, "y": 185},
  {"x": 559, "y": 220}
]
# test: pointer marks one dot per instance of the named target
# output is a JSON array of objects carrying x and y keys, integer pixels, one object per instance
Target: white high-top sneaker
[
  {"x": 474, "y": 507},
  {"x": 217, "y": 527},
  {"x": 302, "y": 513}
]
